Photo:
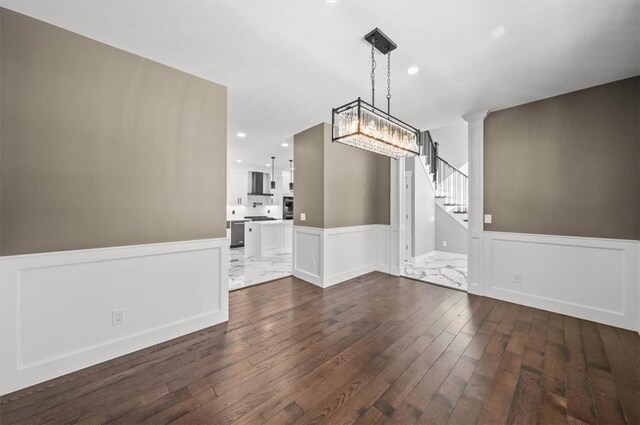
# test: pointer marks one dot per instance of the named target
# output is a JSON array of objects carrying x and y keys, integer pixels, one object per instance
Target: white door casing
[
  {"x": 396, "y": 228},
  {"x": 408, "y": 229},
  {"x": 476, "y": 200}
]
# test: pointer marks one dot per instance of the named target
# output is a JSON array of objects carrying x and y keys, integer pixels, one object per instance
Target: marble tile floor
[
  {"x": 246, "y": 271},
  {"x": 441, "y": 268}
]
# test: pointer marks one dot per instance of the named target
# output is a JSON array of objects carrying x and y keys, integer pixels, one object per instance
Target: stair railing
[
  {"x": 430, "y": 151},
  {"x": 451, "y": 183}
]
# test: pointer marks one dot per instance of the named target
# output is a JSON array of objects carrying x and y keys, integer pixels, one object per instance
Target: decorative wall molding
[
  {"x": 326, "y": 257},
  {"x": 308, "y": 249},
  {"x": 590, "y": 278},
  {"x": 396, "y": 215},
  {"x": 56, "y": 308},
  {"x": 476, "y": 199}
]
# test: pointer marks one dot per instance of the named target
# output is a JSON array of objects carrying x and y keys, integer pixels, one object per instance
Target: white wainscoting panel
[
  {"x": 383, "y": 263},
  {"x": 589, "y": 278},
  {"x": 474, "y": 275},
  {"x": 307, "y": 254},
  {"x": 57, "y": 307},
  {"x": 326, "y": 257}
]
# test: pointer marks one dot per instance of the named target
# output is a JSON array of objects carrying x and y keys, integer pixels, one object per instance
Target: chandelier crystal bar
[{"x": 361, "y": 125}]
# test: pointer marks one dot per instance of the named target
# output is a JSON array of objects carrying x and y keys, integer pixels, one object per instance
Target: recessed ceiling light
[
  {"x": 498, "y": 32},
  {"x": 241, "y": 135},
  {"x": 412, "y": 70},
  {"x": 238, "y": 160},
  {"x": 267, "y": 165},
  {"x": 285, "y": 145}
]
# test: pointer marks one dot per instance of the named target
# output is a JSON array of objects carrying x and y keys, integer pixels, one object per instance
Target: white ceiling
[{"x": 287, "y": 63}]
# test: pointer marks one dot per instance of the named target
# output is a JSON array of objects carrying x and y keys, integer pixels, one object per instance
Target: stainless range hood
[{"x": 259, "y": 184}]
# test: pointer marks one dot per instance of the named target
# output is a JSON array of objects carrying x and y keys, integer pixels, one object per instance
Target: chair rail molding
[
  {"x": 476, "y": 200},
  {"x": 57, "y": 309}
]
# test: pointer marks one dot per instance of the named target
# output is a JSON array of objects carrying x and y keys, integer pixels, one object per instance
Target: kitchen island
[{"x": 261, "y": 236}]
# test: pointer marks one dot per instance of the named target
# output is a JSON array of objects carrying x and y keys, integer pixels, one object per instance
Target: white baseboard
[
  {"x": 590, "y": 278},
  {"x": 57, "y": 307},
  {"x": 326, "y": 257}
]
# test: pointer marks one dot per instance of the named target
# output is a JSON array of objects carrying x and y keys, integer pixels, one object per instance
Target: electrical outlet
[
  {"x": 517, "y": 279},
  {"x": 487, "y": 219},
  {"x": 444, "y": 243},
  {"x": 313, "y": 263},
  {"x": 303, "y": 216},
  {"x": 117, "y": 317},
  {"x": 268, "y": 211}
]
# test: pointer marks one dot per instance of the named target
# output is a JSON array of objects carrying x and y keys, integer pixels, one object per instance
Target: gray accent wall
[
  {"x": 568, "y": 165},
  {"x": 338, "y": 185},
  {"x": 104, "y": 148},
  {"x": 449, "y": 229}
]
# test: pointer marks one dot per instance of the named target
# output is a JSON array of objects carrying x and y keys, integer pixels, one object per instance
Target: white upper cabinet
[{"x": 237, "y": 188}]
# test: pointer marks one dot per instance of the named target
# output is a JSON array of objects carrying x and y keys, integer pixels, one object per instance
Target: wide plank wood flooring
[{"x": 375, "y": 350}]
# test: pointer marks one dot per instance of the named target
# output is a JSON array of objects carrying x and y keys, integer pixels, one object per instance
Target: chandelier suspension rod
[
  {"x": 373, "y": 72},
  {"x": 389, "y": 83}
]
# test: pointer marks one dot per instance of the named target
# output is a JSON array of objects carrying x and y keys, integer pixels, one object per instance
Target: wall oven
[{"x": 287, "y": 207}]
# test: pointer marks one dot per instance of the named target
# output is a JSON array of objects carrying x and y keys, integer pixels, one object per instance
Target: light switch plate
[
  {"x": 303, "y": 216},
  {"x": 487, "y": 219}
]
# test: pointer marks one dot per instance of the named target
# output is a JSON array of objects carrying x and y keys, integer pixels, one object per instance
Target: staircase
[{"x": 451, "y": 185}]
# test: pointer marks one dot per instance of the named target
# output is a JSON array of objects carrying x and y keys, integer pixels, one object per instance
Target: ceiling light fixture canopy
[{"x": 362, "y": 125}]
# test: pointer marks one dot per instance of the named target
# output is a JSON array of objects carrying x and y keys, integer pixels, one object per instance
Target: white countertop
[{"x": 270, "y": 222}]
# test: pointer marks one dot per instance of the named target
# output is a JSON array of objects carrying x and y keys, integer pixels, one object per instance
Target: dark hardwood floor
[{"x": 378, "y": 349}]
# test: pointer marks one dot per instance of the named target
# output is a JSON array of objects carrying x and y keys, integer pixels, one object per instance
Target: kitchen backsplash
[{"x": 237, "y": 212}]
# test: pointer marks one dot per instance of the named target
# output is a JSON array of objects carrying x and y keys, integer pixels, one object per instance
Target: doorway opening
[
  {"x": 259, "y": 225},
  {"x": 436, "y": 209}
]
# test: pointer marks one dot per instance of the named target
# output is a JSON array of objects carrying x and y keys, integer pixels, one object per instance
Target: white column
[
  {"x": 476, "y": 201},
  {"x": 396, "y": 228}
]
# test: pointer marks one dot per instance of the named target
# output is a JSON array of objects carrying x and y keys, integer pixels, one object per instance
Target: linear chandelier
[{"x": 362, "y": 125}]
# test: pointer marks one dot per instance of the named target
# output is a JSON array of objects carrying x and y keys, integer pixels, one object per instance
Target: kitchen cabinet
[
  {"x": 262, "y": 236},
  {"x": 237, "y": 188}
]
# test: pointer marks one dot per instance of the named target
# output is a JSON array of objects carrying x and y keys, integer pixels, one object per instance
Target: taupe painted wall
[
  {"x": 337, "y": 185},
  {"x": 104, "y": 148},
  {"x": 308, "y": 159},
  {"x": 384, "y": 189},
  {"x": 566, "y": 165}
]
